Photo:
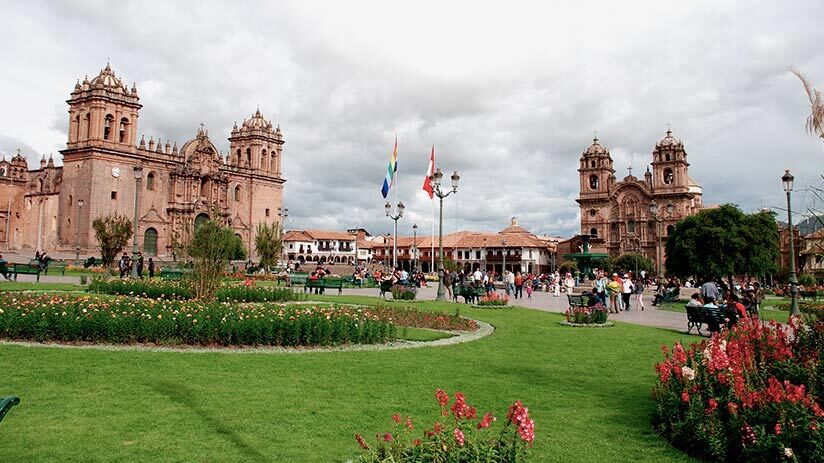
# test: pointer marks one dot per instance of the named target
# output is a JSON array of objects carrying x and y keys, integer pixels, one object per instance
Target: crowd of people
[{"x": 126, "y": 264}]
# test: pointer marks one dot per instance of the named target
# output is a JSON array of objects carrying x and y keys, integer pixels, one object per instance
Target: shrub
[
  {"x": 748, "y": 394},
  {"x": 493, "y": 299},
  {"x": 596, "y": 314},
  {"x": 403, "y": 293},
  {"x": 463, "y": 437},
  {"x": 134, "y": 320},
  {"x": 113, "y": 233},
  {"x": 182, "y": 289}
]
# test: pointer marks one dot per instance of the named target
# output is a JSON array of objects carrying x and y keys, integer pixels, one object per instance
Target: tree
[
  {"x": 568, "y": 267},
  {"x": 268, "y": 244},
  {"x": 723, "y": 242},
  {"x": 212, "y": 247},
  {"x": 633, "y": 262},
  {"x": 113, "y": 233}
]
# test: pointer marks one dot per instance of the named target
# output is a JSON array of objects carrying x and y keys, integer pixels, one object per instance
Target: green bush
[
  {"x": 126, "y": 320},
  {"x": 403, "y": 293},
  {"x": 182, "y": 289}
]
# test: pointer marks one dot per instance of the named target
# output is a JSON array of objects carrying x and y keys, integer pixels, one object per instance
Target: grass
[
  {"x": 32, "y": 286},
  {"x": 588, "y": 391},
  {"x": 410, "y": 333}
]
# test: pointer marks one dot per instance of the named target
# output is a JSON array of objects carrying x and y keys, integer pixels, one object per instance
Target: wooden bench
[
  {"x": 713, "y": 317},
  {"x": 333, "y": 283},
  {"x": 6, "y": 403},
  {"x": 21, "y": 269},
  {"x": 57, "y": 266},
  {"x": 469, "y": 293},
  {"x": 171, "y": 273},
  {"x": 316, "y": 284}
]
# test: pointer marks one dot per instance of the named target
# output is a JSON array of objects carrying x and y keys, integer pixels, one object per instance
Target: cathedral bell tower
[
  {"x": 596, "y": 172},
  {"x": 670, "y": 166},
  {"x": 103, "y": 111}
]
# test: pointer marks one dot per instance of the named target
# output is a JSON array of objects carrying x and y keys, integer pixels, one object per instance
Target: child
[{"x": 528, "y": 289}]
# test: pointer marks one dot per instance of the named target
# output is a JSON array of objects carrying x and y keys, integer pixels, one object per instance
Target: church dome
[
  {"x": 669, "y": 141},
  {"x": 595, "y": 149},
  {"x": 257, "y": 122},
  {"x": 200, "y": 144},
  {"x": 108, "y": 79}
]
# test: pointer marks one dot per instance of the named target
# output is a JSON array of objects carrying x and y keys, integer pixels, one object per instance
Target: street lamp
[
  {"x": 283, "y": 214},
  {"x": 80, "y": 203},
  {"x": 138, "y": 176},
  {"x": 397, "y": 215},
  {"x": 414, "y": 245},
  {"x": 435, "y": 180},
  {"x": 787, "y": 178},
  {"x": 503, "y": 271},
  {"x": 653, "y": 209}
]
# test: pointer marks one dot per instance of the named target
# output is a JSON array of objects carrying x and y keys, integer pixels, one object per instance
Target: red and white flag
[{"x": 427, "y": 184}]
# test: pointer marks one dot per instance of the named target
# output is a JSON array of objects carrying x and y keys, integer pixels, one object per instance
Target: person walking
[
  {"x": 528, "y": 288},
  {"x": 140, "y": 265},
  {"x": 447, "y": 281},
  {"x": 519, "y": 285},
  {"x": 510, "y": 282},
  {"x": 627, "y": 290},
  {"x": 639, "y": 290},
  {"x": 151, "y": 268},
  {"x": 556, "y": 283}
]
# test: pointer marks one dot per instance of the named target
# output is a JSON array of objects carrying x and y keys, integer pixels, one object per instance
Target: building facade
[
  {"x": 53, "y": 207},
  {"x": 616, "y": 214}
]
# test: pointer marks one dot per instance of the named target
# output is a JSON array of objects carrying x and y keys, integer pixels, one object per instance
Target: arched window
[
  {"x": 124, "y": 123},
  {"x": 201, "y": 219},
  {"x": 2, "y": 171},
  {"x": 205, "y": 186},
  {"x": 593, "y": 182},
  {"x": 248, "y": 156},
  {"x": 71, "y": 200},
  {"x": 40, "y": 185},
  {"x": 631, "y": 226},
  {"x": 263, "y": 162},
  {"x": 272, "y": 162},
  {"x": 87, "y": 121},
  {"x": 236, "y": 196},
  {"x": 107, "y": 127},
  {"x": 668, "y": 156},
  {"x": 668, "y": 176},
  {"x": 150, "y": 242},
  {"x": 592, "y": 212},
  {"x": 150, "y": 181},
  {"x": 670, "y": 229},
  {"x": 237, "y": 157},
  {"x": 593, "y": 232},
  {"x": 592, "y": 164},
  {"x": 77, "y": 127}
]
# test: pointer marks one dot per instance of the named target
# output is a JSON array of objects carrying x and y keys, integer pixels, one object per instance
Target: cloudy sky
[{"x": 509, "y": 93}]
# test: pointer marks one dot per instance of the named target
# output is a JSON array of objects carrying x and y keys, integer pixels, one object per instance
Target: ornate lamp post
[
  {"x": 80, "y": 204},
  {"x": 414, "y": 245},
  {"x": 397, "y": 215},
  {"x": 435, "y": 180},
  {"x": 138, "y": 176},
  {"x": 788, "y": 178},
  {"x": 659, "y": 252},
  {"x": 283, "y": 214},
  {"x": 503, "y": 270}
]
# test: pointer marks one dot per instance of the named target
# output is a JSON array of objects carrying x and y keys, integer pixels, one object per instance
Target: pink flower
[
  {"x": 685, "y": 397},
  {"x": 442, "y": 396},
  {"x": 777, "y": 429},
  {"x": 409, "y": 423},
  {"x": 396, "y": 418},
  {"x": 459, "y": 436},
  {"x": 486, "y": 421}
]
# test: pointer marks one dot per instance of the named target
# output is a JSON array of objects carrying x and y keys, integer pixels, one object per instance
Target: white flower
[
  {"x": 688, "y": 373},
  {"x": 788, "y": 452}
]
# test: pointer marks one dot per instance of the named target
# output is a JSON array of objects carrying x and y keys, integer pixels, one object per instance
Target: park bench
[
  {"x": 171, "y": 273},
  {"x": 576, "y": 301},
  {"x": 56, "y": 266},
  {"x": 469, "y": 293},
  {"x": 333, "y": 283},
  {"x": 20, "y": 269},
  {"x": 297, "y": 279},
  {"x": 713, "y": 317},
  {"x": 809, "y": 294},
  {"x": 6, "y": 403}
]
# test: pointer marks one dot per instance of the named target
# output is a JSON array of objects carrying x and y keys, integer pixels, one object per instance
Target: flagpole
[{"x": 432, "y": 248}]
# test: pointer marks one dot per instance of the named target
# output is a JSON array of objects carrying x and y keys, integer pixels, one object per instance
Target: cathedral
[
  {"x": 618, "y": 216},
  {"x": 107, "y": 170}
]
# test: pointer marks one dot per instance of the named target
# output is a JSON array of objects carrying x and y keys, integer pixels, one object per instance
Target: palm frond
[{"x": 815, "y": 121}]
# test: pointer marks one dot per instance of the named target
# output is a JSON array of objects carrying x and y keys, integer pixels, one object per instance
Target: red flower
[
  {"x": 486, "y": 421},
  {"x": 416, "y": 442},
  {"x": 409, "y": 423},
  {"x": 459, "y": 407},
  {"x": 387, "y": 437},
  {"x": 438, "y": 428},
  {"x": 747, "y": 435},
  {"x": 713, "y": 404},
  {"x": 732, "y": 407},
  {"x": 685, "y": 397},
  {"x": 459, "y": 437},
  {"x": 361, "y": 442},
  {"x": 442, "y": 396},
  {"x": 777, "y": 429},
  {"x": 396, "y": 418},
  {"x": 519, "y": 416}
]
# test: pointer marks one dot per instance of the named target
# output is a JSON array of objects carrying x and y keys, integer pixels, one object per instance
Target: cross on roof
[
  {"x": 629, "y": 169},
  {"x": 669, "y": 127},
  {"x": 202, "y": 125},
  {"x": 18, "y": 152}
]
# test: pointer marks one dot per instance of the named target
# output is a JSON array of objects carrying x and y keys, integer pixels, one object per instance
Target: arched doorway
[
  {"x": 201, "y": 219},
  {"x": 150, "y": 242}
]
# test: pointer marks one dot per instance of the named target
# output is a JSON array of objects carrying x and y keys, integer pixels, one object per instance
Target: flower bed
[
  {"x": 595, "y": 315},
  {"x": 177, "y": 289},
  {"x": 492, "y": 300},
  {"x": 424, "y": 319},
  {"x": 752, "y": 393},
  {"x": 815, "y": 309},
  {"x": 463, "y": 437},
  {"x": 403, "y": 293},
  {"x": 135, "y": 320}
]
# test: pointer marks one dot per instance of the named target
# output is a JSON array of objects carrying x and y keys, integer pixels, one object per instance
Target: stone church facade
[
  {"x": 52, "y": 207},
  {"x": 616, "y": 214}
]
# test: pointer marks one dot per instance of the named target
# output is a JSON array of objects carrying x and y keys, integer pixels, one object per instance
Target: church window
[
  {"x": 668, "y": 157},
  {"x": 593, "y": 182},
  {"x": 593, "y": 232},
  {"x": 248, "y": 156},
  {"x": 263, "y": 161},
  {"x": 114, "y": 195},
  {"x": 237, "y": 193},
  {"x": 150, "y": 242},
  {"x": 592, "y": 164},
  {"x": 107, "y": 127},
  {"x": 592, "y": 212},
  {"x": 2, "y": 171},
  {"x": 631, "y": 227},
  {"x": 237, "y": 158},
  {"x": 272, "y": 162},
  {"x": 670, "y": 229},
  {"x": 88, "y": 123},
  {"x": 668, "y": 176},
  {"x": 77, "y": 127},
  {"x": 70, "y": 200},
  {"x": 267, "y": 212},
  {"x": 150, "y": 181},
  {"x": 40, "y": 185},
  {"x": 123, "y": 124}
]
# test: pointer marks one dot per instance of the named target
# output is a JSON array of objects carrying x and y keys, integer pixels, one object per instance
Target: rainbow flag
[{"x": 390, "y": 171}]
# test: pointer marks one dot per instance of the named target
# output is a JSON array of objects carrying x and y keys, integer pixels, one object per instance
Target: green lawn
[
  {"x": 32, "y": 286},
  {"x": 588, "y": 391},
  {"x": 421, "y": 334}
]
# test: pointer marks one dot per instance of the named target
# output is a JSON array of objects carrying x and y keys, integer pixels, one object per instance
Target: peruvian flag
[{"x": 427, "y": 184}]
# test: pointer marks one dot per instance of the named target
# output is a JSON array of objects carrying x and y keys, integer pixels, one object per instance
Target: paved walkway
[{"x": 651, "y": 316}]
